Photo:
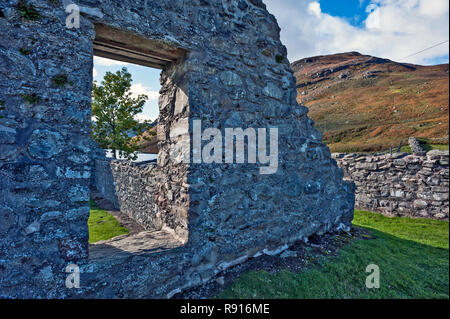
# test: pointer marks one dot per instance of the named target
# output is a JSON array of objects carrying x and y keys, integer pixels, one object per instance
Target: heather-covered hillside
[{"x": 364, "y": 103}]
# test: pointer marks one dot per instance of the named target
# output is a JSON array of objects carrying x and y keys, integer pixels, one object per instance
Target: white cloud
[
  {"x": 433, "y": 8},
  {"x": 94, "y": 72},
  {"x": 143, "y": 117},
  {"x": 314, "y": 8},
  {"x": 150, "y": 111},
  {"x": 107, "y": 62},
  {"x": 393, "y": 29},
  {"x": 138, "y": 88}
]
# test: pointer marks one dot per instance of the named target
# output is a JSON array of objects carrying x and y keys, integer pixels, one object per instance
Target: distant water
[{"x": 142, "y": 157}]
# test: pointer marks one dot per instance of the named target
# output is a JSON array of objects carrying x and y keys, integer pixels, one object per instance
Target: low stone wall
[
  {"x": 130, "y": 187},
  {"x": 400, "y": 184}
]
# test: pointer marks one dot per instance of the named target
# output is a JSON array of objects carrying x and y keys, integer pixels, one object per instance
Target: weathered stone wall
[
  {"x": 44, "y": 148},
  {"x": 131, "y": 187},
  {"x": 235, "y": 73},
  {"x": 400, "y": 184},
  {"x": 103, "y": 181}
]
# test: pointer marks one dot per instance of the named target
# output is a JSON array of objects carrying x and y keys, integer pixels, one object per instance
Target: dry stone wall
[
  {"x": 400, "y": 184},
  {"x": 131, "y": 188}
]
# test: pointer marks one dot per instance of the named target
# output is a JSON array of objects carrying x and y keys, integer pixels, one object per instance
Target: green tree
[{"x": 113, "y": 109}]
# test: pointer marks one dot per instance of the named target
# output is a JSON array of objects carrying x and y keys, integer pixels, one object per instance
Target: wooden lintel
[
  {"x": 170, "y": 57},
  {"x": 127, "y": 59},
  {"x": 128, "y": 47},
  {"x": 130, "y": 54}
]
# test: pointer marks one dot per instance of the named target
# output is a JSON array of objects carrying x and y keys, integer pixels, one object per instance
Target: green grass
[
  {"x": 412, "y": 255},
  {"x": 426, "y": 147},
  {"x": 439, "y": 147},
  {"x": 103, "y": 226},
  {"x": 429, "y": 232}
]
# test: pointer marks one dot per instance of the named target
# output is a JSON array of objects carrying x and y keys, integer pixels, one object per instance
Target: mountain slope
[
  {"x": 364, "y": 103},
  {"x": 148, "y": 142}
]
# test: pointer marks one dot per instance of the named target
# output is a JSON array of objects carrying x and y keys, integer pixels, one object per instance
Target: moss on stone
[
  {"x": 60, "y": 80},
  {"x": 279, "y": 58},
  {"x": 31, "y": 98},
  {"x": 28, "y": 11},
  {"x": 24, "y": 51}
]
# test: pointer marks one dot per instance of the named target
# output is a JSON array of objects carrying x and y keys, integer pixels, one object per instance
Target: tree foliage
[{"x": 114, "y": 109}]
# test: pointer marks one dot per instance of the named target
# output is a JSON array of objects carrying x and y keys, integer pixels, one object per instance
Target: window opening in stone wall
[{"x": 123, "y": 191}]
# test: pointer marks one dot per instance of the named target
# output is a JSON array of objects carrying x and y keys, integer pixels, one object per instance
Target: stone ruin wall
[
  {"x": 131, "y": 188},
  {"x": 400, "y": 184},
  {"x": 235, "y": 73}
]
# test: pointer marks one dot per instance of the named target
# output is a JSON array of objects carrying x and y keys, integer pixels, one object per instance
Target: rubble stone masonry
[{"x": 400, "y": 184}]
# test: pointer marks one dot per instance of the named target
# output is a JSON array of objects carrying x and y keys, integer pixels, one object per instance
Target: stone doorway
[{"x": 143, "y": 191}]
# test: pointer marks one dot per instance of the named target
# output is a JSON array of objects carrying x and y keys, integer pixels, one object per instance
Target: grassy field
[
  {"x": 103, "y": 226},
  {"x": 412, "y": 255}
]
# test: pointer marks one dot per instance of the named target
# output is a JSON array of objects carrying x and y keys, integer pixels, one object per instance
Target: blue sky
[
  {"x": 354, "y": 11},
  {"x": 390, "y": 29}
]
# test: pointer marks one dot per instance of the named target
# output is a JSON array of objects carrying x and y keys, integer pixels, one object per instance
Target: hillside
[
  {"x": 148, "y": 143},
  {"x": 365, "y": 103}
]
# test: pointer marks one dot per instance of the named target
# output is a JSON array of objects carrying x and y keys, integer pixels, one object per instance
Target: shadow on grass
[{"x": 409, "y": 268}]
